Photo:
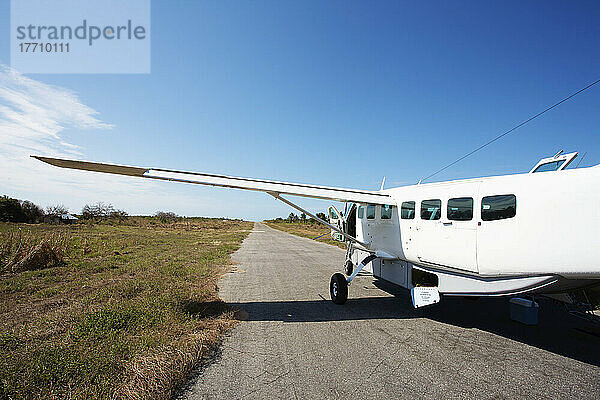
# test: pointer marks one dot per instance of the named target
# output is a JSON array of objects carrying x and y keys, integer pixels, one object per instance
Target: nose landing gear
[{"x": 338, "y": 286}]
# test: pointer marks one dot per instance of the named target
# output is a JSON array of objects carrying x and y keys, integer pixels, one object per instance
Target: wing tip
[
  {"x": 93, "y": 166},
  {"x": 41, "y": 158},
  {"x": 48, "y": 160}
]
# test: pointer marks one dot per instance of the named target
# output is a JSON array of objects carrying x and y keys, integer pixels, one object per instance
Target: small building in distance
[{"x": 60, "y": 219}]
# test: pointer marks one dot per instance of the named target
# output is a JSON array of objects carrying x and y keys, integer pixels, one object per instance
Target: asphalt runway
[{"x": 294, "y": 343}]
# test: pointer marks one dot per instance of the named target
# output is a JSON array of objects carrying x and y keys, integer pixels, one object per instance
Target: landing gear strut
[{"x": 338, "y": 286}]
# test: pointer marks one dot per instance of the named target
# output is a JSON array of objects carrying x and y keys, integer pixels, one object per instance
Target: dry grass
[
  {"x": 127, "y": 312},
  {"x": 27, "y": 252},
  {"x": 309, "y": 230}
]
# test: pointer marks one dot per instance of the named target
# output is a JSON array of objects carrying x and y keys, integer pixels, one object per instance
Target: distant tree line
[
  {"x": 302, "y": 218},
  {"x": 14, "y": 210}
]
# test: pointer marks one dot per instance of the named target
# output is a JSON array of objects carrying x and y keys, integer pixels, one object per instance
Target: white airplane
[{"x": 537, "y": 232}]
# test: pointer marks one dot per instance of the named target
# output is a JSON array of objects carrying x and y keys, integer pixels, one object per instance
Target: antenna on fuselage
[
  {"x": 382, "y": 183},
  {"x": 558, "y": 154},
  {"x": 581, "y": 159}
]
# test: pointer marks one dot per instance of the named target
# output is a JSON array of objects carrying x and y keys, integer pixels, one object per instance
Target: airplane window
[
  {"x": 551, "y": 166},
  {"x": 430, "y": 209},
  {"x": 460, "y": 209},
  {"x": 371, "y": 211},
  {"x": 498, "y": 207},
  {"x": 386, "y": 211},
  {"x": 332, "y": 214},
  {"x": 361, "y": 212},
  {"x": 407, "y": 210}
]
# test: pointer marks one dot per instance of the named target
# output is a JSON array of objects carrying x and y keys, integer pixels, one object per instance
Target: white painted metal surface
[{"x": 262, "y": 185}]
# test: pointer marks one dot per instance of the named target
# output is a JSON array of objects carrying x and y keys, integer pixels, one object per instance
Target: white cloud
[{"x": 33, "y": 115}]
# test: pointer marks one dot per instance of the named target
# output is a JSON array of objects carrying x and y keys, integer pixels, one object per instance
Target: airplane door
[
  {"x": 385, "y": 229},
  {"x": 360, "y": 220},
  {"x": 408, "y": 229},
  {"x": 335, "y": 218},
  {"x": 448, "y": 231},
  {"x": 458, "y": 238},
  {"x": 350, "y": 220}
]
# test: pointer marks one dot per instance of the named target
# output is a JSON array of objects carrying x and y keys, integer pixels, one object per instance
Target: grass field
[
  {"x": 120, "y": 311},
  {"x": 309, "y": 230}
]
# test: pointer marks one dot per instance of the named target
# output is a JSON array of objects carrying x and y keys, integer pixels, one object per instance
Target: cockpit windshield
[{"x": 551, "y": 166}]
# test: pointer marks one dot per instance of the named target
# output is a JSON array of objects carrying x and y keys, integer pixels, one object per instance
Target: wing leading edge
[{"x": 262, "y": 185}]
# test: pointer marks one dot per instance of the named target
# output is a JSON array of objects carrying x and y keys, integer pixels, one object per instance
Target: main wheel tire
[
  {"x": 349, "y": 268},
  {"x": 338, "y": 288}
]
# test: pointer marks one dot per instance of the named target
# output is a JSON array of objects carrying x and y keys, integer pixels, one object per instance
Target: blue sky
[{"x": 337, "y": 93}]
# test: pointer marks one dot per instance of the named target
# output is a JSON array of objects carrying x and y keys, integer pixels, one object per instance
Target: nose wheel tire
[
  {"x": 349, "y": 268},
  {"x": 338, "y": 289}
]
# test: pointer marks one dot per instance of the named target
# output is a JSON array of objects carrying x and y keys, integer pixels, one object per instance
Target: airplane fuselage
[{"x": 531, "y": 225}]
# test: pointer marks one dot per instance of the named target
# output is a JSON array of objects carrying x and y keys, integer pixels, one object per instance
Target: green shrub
[{"x": 11, "y": 210}]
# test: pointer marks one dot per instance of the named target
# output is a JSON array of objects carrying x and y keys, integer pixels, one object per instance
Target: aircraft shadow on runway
[{"x": 557, "y": 331}]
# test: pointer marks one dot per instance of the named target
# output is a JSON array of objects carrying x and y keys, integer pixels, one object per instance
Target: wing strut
[{"x": 335, "y": 228}]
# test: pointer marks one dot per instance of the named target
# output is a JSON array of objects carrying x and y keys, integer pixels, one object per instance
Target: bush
[
  {"x": 321, "y": 215},
  {"x": 97, "y": 211},
  {"x": 56, "y": 210},
  {"x": 11, "y": 210},
  {"x": 594, "y": 296},
  {"x": 119, "y": 215},
  {"x": 168, "y": 216},
  {"x": 33, "y": 213},
  {"x": 102, "y": 211}
]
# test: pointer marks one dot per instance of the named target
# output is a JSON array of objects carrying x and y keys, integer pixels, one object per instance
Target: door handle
[{"x": 447, "y": 223}]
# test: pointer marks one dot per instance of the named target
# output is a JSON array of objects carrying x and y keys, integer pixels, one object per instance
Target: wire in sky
[{"x": 511, "y": 130}]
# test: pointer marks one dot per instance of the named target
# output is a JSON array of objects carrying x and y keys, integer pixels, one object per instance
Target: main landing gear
[{"x": 338, "y": 286}]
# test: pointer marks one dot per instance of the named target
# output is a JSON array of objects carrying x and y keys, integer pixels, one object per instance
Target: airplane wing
[{"x": 262, "y": 185}]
